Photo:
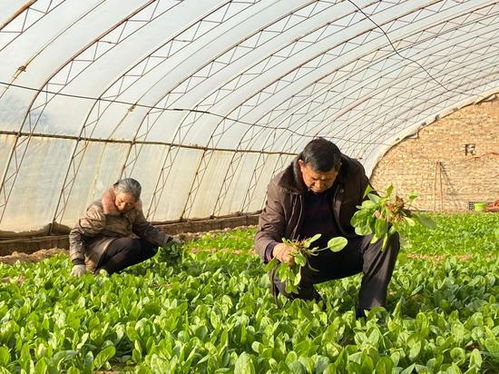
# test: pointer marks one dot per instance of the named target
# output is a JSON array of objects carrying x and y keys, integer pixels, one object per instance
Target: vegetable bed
[{"x": 214, "y": 312}]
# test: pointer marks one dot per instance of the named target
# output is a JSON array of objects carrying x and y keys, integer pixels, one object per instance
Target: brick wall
[{"x": 436, "y": 164}]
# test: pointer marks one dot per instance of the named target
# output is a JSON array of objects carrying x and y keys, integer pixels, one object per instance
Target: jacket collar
[
  {"x": 108, "y": 206},
  {"x": 292, "y": 180}
]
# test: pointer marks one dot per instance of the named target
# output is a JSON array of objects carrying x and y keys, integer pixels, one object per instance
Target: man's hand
[
  {"x": 78, "y": 270},
  {"x": 284, "y": 253}
]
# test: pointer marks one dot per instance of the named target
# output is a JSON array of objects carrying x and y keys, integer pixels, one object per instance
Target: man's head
[
  {"x": 319, "y": 164},
  {"x": 127, "y": 194}
]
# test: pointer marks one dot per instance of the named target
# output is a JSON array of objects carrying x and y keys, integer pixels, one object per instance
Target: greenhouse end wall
[{"x": 450, "y": 163}]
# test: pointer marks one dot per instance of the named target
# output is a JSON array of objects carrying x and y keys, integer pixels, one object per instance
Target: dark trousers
[
  {"x": 358, "y": 256},
  {"x": 125, "y": 252}
]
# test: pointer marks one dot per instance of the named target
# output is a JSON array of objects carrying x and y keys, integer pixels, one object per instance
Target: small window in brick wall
[{"x": 469, "y": 149}]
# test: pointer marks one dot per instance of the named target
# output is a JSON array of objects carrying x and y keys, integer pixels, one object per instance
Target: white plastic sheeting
[{"x": 203, "y": 101}]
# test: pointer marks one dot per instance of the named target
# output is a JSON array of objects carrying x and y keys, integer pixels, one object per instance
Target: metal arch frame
[
  {"x": 132, "y": 145},
  {"x": 78, "y": 152},
  {"x": 381, "y": 135},
  {"x": 119, "y": 81},
  {"x": 394, "y": 19},
  {"x": 194, "y": 188},
  {"x": 406, "y": 111},
  {"x": 214, "y": 138},
  {"x": 419, "y": 125},
  {"x": 131, "y": 164},
  {"x": 97, "y": 102},
  {"x": 355, "y": 60},
  {"x": 231, "y": 166},
  {"x": 162, "y": 178},
  {"x": 40, "y": 50},
  {"x": 206, "y": 162},
  {"x": 322, "y": 107},
  {"x": 387, "y": 145},
  {"x": 286, "y": 113},
  {"x": 49, "y": 97},
  {"x": 17, "y": 12},
  {"x": 204, "y": 67},
  {"x": 239, "y": 44},
  {"x": 411, "y": 88},
  {"x": 380, "y": 88},
  {"x": 465, "y": 84},
  {"x": 19, "y": 143},
  {"x": 24, "y": 9},
  {"x": 194, "y": 25},
  {"x": 409, "y": 73},
  {"x": 75, "y": 153}
]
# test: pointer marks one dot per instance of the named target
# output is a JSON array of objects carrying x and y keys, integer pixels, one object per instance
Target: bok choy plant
[
  {"x": 385, "y": 214},
  {"x": 302, "y": 251}
]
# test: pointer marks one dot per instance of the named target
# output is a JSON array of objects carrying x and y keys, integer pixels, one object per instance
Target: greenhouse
[{"x": 169, "y": 128}]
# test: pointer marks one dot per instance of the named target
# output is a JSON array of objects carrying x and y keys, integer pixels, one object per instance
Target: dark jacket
[
  {"x": 102, "y": 223},
  {"x": 283, "y": 213}
]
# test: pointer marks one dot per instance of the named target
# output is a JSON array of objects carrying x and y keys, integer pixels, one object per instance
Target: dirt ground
[{"x": 31, "y": 257}]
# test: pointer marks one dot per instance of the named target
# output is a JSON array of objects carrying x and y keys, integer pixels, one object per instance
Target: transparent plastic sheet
[{"x": 204, "y": 103}]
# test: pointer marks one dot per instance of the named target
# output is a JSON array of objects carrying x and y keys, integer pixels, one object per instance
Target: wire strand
[
  {"x": 404, "y": 57},
  {"x": 135, "y": 105}
]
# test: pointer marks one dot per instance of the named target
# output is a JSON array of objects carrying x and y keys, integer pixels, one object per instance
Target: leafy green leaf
[
  {"x": 308, "y": 242},
  {"x": 368, "y": 204},
  {"x": 425, "y": 220},
  {"x": 300, "y": 259},
  {"x": 475, "y": 359},
  {"x": 389, "y": 190},
  {"x": 492, "y": 346},
  {"x": 410, "y": 221},
  {"x": 271, "y": 264},
  {"x": 386, "y": 237},
  {"x": 337, "y": 244},
  {"x": 414, "y": 350},
  {"x": 244, "y": 364},
  {"x": 103, "y": 356},
  {"x": 363, "y": 230},
  {"x": 380, "y": 228},
  {"x": 4, "y": 356},
  {"x": 384, "y": 365},
  {"x": 367, "y": 190}
]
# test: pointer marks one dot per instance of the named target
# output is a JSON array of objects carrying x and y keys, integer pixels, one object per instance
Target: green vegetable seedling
[
  {"x": 172, "y": 253},
  {"x": 385, "y": 215},
  {"x": 302, "y": 251}
]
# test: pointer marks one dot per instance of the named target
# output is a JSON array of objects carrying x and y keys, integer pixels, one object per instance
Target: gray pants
[{"x": 358, "y": 256}]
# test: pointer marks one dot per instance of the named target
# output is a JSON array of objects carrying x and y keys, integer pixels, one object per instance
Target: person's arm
[
  {"x": 271, "y": 228},
  {"x": 90, "y": 225},
  {"x": 145, "y": 230}
]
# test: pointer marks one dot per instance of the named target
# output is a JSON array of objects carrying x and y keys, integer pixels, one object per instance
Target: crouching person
[
  {"x": 103, "y": 238},
  {"x": 318, "y": 193}
]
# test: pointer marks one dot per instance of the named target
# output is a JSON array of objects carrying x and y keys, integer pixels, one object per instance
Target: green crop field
[{"x": 214, "y": 313}]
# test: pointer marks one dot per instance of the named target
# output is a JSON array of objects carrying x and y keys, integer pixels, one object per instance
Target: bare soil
[{"x": 30, "y": 257}]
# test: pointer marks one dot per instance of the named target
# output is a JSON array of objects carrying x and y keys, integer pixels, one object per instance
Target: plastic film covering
[{"x": 204, "y": 101}]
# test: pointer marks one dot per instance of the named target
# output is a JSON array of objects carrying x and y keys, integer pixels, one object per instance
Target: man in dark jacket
[{"x": 318, "y": 194}]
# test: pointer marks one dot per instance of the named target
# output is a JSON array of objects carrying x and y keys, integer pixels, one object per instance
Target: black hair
[{"x": 322, "y": 155}]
